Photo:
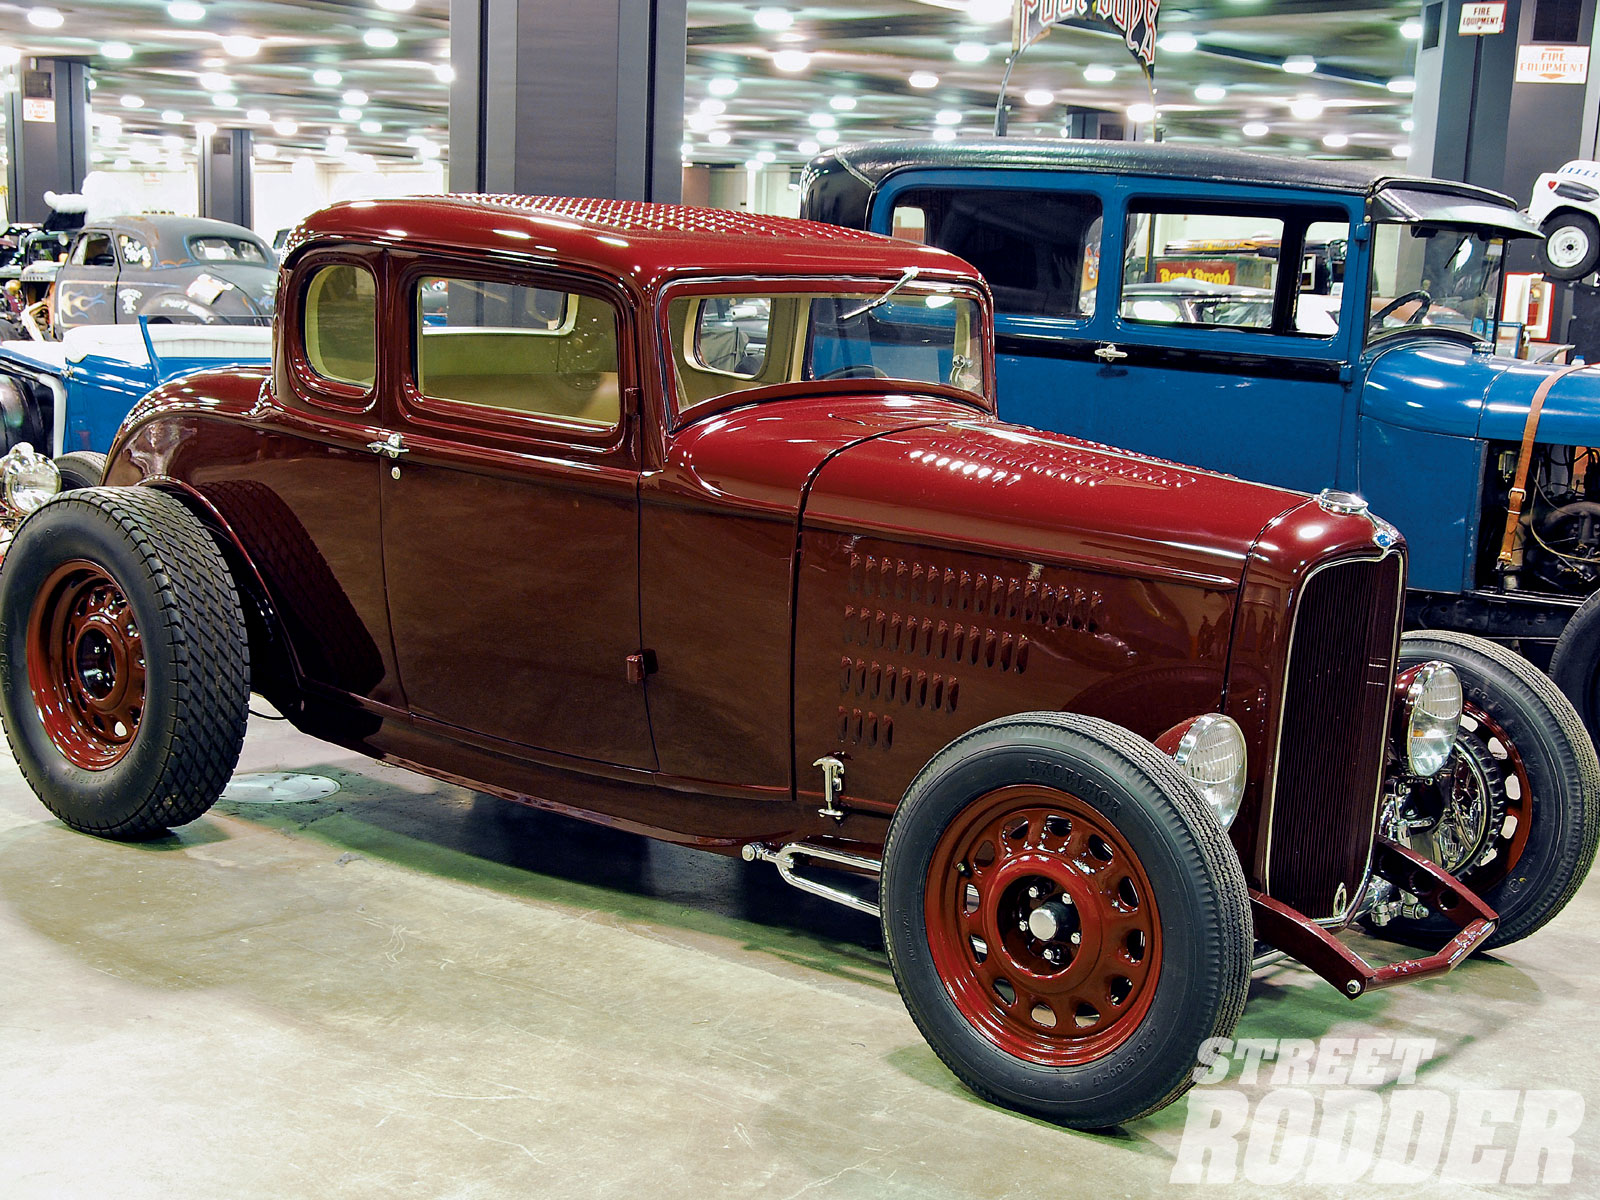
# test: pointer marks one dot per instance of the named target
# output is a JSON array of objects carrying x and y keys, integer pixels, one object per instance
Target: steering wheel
[
  {"x": 855, "y": 371},
  {"x": 1419, "y": 295}
]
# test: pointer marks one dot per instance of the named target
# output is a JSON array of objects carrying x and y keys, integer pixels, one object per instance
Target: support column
[
  {"x": 47, "y": 134},
  {"x": 567, "y": 99},
  {"x": 227, "y": 177}
]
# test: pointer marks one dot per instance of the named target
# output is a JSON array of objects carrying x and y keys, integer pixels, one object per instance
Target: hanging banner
[{"x": 1135, "y": 20}]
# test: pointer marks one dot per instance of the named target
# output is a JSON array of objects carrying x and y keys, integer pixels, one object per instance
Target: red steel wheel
[
  {"x": 86, "y": 665},
  {"x": 1043, "y": 925}
]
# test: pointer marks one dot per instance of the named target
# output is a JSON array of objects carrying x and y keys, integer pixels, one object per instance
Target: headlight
[
  {"x": 1429, "y": 716},
  {"x": 30, "y": 479},
  {"x": 1211, "y": 753}
]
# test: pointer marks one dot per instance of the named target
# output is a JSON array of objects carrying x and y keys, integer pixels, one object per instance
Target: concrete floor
[{"x": 408, "y": 989}]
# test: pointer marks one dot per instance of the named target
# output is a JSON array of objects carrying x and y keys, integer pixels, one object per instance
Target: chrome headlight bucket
[
  {"x": 1210, "y": 750},
  {"x": 1427, "y": 716},
  {"x": 29, "y": 479}
]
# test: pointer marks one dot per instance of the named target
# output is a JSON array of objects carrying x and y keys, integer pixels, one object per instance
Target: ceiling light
[
  {"x": 923, "y": 80},
  {"x": 1306, "y": 109},
  {"x": 444, "y": 73},
  {"x": 355, "y": 97},
  {"x": 214, "y": 82},
  {"x": 986, "y": 11},
  {"x": 258, "y": 116},
  {"x": 774, "y": 18},
  {"x": 45, "y": 18},
  {"x": 430, "y": 150},
  {"x": 205, "y": 128},
  {"x": 791, "y": 60},
  {"x": 843, "y": 103},
  {"x": 971, "y": 52},
  {"x": 752, "y": 164},
  {"x": 1401, "y": 151},
  {"x": 224, "y": 99},
  {"x": 828, "y": 120},
  {"x": 172, "y": 116},
  {"x": 686, "y": 150},
  {"x": 416, "y": 139},
  {"x": 723, "y": 85},
  {"x": 116, "y": 49},
  {"x": 1141, "y": 114},
  {"x": 240, "y": 46},
  {"x": 1300, "y": 64},
  {"x": 1408, "y": 125},
  {"x": 266, "y": 150},
  {"x": 947, "y": 116},
  {"x": 397, "y": 5},
  {"x": 337, "y": 143},
  {"x": 1179, "y": 43},
  {"x": 1038, "y": 97},
  {"x": 1098, "y": 74},
  {"x": 172, "y": 142},
  {"x": 1404, "y": 86},
  {"x": 370, "y": 127},
  {"x": 713, "y": 108},
  {"x": 700, "y": 122},
  {"x": 380, "y": 39},
  {"x": 285, "y": 128},
  {"x": 1210, "y": 93},
  {"x": 1256, "y": 129},
  {"x": 1335, "y": 141},
  {"x": 766, "y": 156},
  {"x": 718, "y": 137},
  {"x": 122, "y": 164},
  {"x": 326, "y": 77},
  {"x": 1411, "y": 30},
  {"x": 944, "y": 133},
  {"x": 349, "y": 114},
  {"x": 808, "y": 148},
  {"x": 133, "y": 102},
  {"x": 828, "y": 137},
  {"x": 186, "y": 10}
]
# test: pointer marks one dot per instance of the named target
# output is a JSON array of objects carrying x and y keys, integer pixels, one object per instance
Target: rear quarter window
[{"x": 340, "y": 324}]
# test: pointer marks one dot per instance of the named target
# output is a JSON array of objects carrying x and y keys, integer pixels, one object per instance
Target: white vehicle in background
[{"x": 1566, "y": 205}]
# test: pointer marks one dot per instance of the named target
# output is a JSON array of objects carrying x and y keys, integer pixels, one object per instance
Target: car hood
[
  {"x": 1019, "y": 493},
  {"x": 1448, "y": 387}
]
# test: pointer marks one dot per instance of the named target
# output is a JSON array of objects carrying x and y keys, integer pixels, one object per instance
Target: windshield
[
  {"x": 732, "y": 342},
  {"x": 1428, "y": 276}
]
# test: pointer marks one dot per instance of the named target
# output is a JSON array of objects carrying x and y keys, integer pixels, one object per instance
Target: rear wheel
[
  {"x": 1066, "y": 920},
  {"x": 124, "y": 668},
  {"x": 1571, "y": 246},
  {"x": 1515, "y": 814}
]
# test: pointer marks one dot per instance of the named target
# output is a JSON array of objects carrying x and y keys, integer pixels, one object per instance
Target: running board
[{"x": 784, "y": 859}]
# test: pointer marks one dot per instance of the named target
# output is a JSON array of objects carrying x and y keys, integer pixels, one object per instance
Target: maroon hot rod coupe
[{"x": 702, "y": 524}]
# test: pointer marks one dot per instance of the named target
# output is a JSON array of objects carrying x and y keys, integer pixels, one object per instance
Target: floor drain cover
[{"x": 278, "y": 787}]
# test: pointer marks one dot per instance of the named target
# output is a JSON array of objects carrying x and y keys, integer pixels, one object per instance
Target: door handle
[
  {"x": 1110, "y": 353},
  {"x": 394, "y": 446}
]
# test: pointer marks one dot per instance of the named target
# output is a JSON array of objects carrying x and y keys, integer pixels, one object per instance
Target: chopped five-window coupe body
[{"x": 702, "y": 524}]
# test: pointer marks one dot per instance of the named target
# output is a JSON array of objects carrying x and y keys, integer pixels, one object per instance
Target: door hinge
[{"x": 640, "y": 665}]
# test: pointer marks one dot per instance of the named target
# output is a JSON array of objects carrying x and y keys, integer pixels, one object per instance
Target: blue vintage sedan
[{"x": 1305, "y": 323}]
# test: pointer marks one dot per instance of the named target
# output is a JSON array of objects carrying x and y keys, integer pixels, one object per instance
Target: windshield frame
[
  {"x": 963, "y": 287},
  {"x": 1487, "y": 235}
]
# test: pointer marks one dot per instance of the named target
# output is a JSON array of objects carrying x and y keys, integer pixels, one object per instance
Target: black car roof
[{"x": 842, "y": 178}]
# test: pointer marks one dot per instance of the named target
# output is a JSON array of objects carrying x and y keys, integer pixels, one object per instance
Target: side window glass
[
  {"x": 93, "y": 250},
  {"x": 537, "y": 352},
  {"x": 134, "y": 252},
  {"x": 731, "y": 334},
  {"x": 1039, "y": 250},
  {"x": 341, "y": 324}
]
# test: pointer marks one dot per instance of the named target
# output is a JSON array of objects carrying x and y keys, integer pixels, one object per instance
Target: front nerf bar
[{"x": 1300, "y": 937}]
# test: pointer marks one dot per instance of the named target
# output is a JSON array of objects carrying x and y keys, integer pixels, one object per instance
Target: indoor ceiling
[{"x": 852, "y": 72}]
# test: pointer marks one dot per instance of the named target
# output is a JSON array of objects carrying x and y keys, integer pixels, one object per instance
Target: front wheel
[
  {"x": 124, "y": 661},
  {"x": 1571, "y": 246},
  {"x": 1515, "y": 813},
  {"x": 1066, "y": 921},
  {"x": 81, "y": 469}
]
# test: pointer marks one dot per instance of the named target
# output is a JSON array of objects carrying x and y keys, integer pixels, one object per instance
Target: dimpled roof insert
[{"x": 635, "y": 216}]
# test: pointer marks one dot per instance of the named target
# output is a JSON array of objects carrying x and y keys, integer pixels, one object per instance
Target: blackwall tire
[
  {"x": 1575, "y": 665},
  {"x": 1570, "y": 248},
  {"x": 1534, "y": 732},
  {"x": 1067, "y": 780},
  {"x": 81, "y": 469},
  {"x": 124, "y": 662}
]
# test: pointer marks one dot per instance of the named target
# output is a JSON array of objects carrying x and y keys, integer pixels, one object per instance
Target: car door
[
  {"x": 86, "y": 287},
  {"x": 1153, "y": 314},
  {"x": 511, "y": 511}
]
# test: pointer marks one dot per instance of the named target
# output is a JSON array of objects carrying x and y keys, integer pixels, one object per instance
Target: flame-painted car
[
  {"x": 701, "y": 524},
  {"x": 165, "y": 269},
  {"x": 1373, "y": 370}
]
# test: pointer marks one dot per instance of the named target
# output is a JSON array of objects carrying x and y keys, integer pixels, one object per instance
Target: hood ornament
[{"x": 1331, "y": 500}]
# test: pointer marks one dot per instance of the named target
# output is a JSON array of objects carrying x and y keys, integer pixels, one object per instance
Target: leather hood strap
[{"x": 1519, "y": 487}]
